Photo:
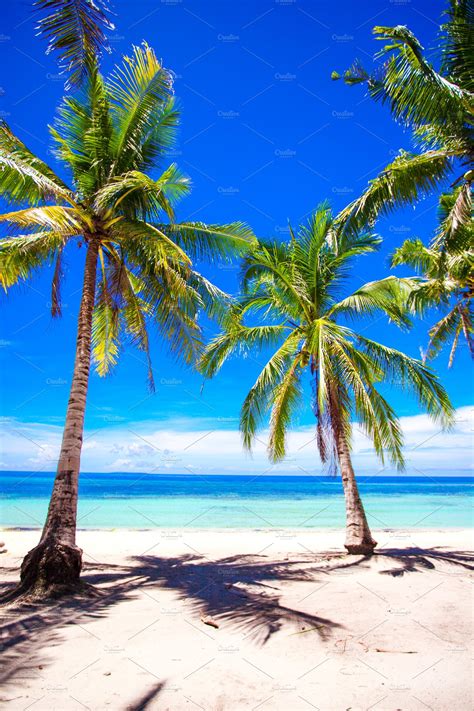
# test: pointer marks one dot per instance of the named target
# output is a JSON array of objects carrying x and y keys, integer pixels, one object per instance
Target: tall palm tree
[
  {"x": 437, "y": 105},
  {"x": 295, "y": 287},
  {"x": 138, "y": 269}
]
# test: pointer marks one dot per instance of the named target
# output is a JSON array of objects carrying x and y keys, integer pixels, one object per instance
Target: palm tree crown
[
  {"x": 295, "y": 287},
  {"x": 436, "y": 104},
  {"x": 109, "y": 136},
  {"x": 448, "y": 280}
]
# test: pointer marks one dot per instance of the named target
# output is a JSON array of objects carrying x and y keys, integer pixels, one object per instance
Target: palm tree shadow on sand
[
  {"x": 144, "y": 701},
  {"x": 242, "y": 592},
  {"x": 416, "y": 560},
  {"x": 408, "y": 560}
]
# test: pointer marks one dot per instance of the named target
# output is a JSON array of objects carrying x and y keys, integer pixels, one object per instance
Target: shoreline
[{"x": 111, "y": 544}]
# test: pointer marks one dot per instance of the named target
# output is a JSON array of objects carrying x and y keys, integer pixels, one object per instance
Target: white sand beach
[{"x": 300, "y": 624}]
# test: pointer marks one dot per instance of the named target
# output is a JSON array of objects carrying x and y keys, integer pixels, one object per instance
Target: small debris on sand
[{"x": 209, "y": 621}]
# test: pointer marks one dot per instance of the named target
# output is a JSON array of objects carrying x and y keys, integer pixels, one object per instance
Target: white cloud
[{"x": 182, "y": 446}]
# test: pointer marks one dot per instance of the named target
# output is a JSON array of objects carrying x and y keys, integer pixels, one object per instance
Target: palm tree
[
  {"x": 448, "y": 281},
  {"x": 437, "y": 105},
  {"x": 295, "y": 287},
  {"x": 138, "y": 268}
]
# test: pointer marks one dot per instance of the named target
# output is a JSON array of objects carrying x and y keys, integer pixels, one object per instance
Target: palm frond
[
  {"x": 82, "y": 135},
  {"x": 59, "y": 219},
  {"x": 457, "y": 320},
  {"x": 416, "y": 92},
  {"x": 403, "y": 182},
  {"x": 159, "y": 140},
  {"x": 139, "y": 92},
  {"x": 382, "y": 417},
  {"x": 217, "y": 304},
  {"x": 201, "y": 240},
  {"x": 147, "y": 246},
  {"x": 436, "y": 101},
  {"x": 22, "y": 255},
  {"x": 456, "y": 231},
  {"x": 262, "y": 393},
  {"x": 447, "y": 267},
  {"x": 270, "y": 268},
  {"x": 177, "y": 323},
  {"x": 237, "y": 337},
  {"x": 374, "y": 414},
  {"x": 286, "y": 395},
  {"x": 75, "y": 29},
  {"x": 390, "y": 295},
  {"x": 121, "y": 308},
  {"x": 164, "y": 284},
  {"x": 106, "y": 316},
  {"x": 414, "y": 375},
  {"x": 457, "y": 40},
  {"x": 23, "y": 176},
  {"x": 138, "y": 196},
  {"x": 413, "y": 253}
]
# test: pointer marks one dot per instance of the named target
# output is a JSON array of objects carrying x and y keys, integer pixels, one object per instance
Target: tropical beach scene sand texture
[
  {"x": 236, "y": 259},
  {"x": 236, "y": 619}
]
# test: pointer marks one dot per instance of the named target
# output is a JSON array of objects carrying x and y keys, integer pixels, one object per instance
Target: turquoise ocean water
[{"x": 175, "y": 501}]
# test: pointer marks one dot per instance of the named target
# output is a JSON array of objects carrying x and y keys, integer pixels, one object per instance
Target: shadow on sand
[
  {"x": 144, "y": 701},
  {"x": 412, "y": 560},
  {"x": 242, "y": 591}
]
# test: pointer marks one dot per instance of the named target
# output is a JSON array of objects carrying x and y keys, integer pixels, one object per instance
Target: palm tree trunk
[
  {"x": 54, "y": 565},
  {"x": 358, "y": 536}
]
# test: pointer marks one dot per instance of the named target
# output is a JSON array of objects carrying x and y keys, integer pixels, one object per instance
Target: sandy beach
[{"x": 300, "y": 624}]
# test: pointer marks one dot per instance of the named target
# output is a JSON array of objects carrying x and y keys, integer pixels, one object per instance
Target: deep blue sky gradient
[{"x": 265, "y": 136}]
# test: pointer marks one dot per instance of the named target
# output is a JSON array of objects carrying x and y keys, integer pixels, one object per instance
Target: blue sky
[{"x": 265, "y": 136}]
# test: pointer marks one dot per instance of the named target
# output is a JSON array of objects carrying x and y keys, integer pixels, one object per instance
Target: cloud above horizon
[{"x": 206, "y": 447}]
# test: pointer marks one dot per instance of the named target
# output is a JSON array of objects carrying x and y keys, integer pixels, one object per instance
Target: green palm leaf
[
  {"x": 447, "y": 281},
  {"x": 456, "y": 231},
  {"x": 457, "y": 40},
  {"x": 23, "y": 176},
  {"x": 139, "y": 93},
  {"x": 285, "y": 396},
  {"x": 106, "y": 319},
  {"x": 389, "y": 295},
  {"x": 201, "y": 240},
  {"x": 83, "y": 133},
  {"x": 139, "y": 196},
  {"x": 437, "y": 104},
  {"x": 22, "y": 255},
  {"x": 403, "y": 182},
  {"x": 63, "y": 220},
  {"x": 416, "y": 92}
]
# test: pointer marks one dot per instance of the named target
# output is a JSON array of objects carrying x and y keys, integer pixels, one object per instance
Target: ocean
[{"x": 259, "y": 502}]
